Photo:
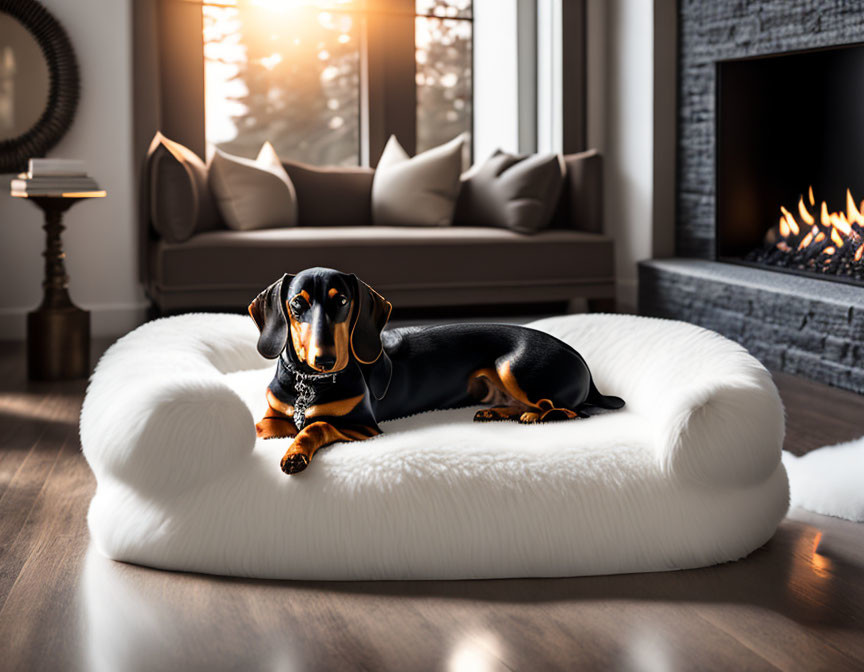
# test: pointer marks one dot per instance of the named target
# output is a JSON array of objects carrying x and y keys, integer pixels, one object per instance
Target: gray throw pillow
[
  {"x": 331, "y": 195},
  {"x": 180, "y": 201},
  {"x": 253, "y": 195},
  {"x": 519, "y": 193},
  {"x": 581, "y": 204},
  {"x": 419, "y": 191}
]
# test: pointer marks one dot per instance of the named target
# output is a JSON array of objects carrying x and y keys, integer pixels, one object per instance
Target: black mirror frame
[{"x": 63, "y": 89}]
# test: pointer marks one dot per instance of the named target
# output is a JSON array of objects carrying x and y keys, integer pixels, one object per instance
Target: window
[
  {"x": 328, "y": 81},
  {"x": 443, "y": 40},
  {"x": 292, "y": 72},
  {"x": 284, "y": 72}
]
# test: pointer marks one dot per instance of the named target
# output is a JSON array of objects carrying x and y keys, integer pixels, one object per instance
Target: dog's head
[{"x": 323, "y": 318}]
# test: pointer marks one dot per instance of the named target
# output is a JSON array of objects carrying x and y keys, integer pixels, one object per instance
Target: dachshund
[{"x": 339, "y": 373}]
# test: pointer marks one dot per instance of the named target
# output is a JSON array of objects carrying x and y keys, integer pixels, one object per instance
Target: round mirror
[
  {"x": 23, "y": 79},
  {"x": 38, "y": 83}
]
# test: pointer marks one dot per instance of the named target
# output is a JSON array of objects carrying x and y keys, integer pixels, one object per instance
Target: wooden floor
[{"x": 795, "y": 604}]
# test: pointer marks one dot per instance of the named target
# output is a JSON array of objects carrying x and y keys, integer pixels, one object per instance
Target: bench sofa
[{"x": 222, "y": 269}]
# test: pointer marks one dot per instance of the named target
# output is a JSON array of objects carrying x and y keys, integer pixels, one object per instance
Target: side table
[{"x": 58, "y": 331}]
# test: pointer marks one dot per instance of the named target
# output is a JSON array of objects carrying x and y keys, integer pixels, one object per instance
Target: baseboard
[{"x": 106, "y": 321}]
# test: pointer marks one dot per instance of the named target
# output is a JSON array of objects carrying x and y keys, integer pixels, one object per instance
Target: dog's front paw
[{"x": 295, "y": 463}]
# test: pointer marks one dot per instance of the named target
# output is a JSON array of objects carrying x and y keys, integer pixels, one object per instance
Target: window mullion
[
  {"x": 526, "y": 78},
  {"x": 574, "y": 78},
  {"x": 389, "y": 88}
]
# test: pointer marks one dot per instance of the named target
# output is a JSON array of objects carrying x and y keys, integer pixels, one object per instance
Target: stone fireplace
[{"x": 770, "y": 184}]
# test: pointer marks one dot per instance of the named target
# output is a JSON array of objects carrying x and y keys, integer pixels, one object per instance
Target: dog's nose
[{"x": 325, "y": 362}]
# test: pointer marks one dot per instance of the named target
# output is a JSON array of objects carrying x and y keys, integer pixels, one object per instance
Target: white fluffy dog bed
[{"x": 687, "y": 474}]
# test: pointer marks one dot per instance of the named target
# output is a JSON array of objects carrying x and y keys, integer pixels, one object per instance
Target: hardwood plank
[
  {"x": 28, "y": 410},
  {"x": 38, "y": 619},
  {"x": 30, "y": 420},
  {"x": 39, "y": 427},
  {"x": 580, "y": 633},
  {"x": 800, "y": 615},
  {"x": 818, "y": 415},
  {"x": 16, "y": 505}
]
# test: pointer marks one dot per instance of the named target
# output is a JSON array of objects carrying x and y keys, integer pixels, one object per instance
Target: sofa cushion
[
  {"x": 512, "y": 192},
  {"x": 331, "y": 195},
  {"x": 253, "y": 194},
  {"x": 404, "y": 259},
  {"x": 180, "y": 200},
  {"x": 418, "y": 191}
]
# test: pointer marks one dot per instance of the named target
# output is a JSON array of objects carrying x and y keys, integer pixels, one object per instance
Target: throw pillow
[
  {"x": 332, "y": 195},
  {"x": 519, "y": 193},
  {"x": 419, "y": 191},
  {"x": 180, "y": 201},
  {"x": 581, "y": 204},
  {"x": 253, "y": 194}
]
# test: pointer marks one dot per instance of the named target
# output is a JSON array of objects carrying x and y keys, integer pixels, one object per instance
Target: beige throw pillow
[
  {"x": 419, "y": 191},
  {"x": 253, "y": 194}
]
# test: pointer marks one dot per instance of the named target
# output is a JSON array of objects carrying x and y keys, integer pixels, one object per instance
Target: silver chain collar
[{"x": 304, "y": 390}]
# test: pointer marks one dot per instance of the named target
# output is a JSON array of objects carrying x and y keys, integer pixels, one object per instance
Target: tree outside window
[{"x": 289, "y": 72}]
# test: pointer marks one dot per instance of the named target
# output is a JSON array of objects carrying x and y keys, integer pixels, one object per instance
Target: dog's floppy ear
[
  {"x": 268, "y": 311},
  {"x": 371, "y": 313},
  {"x": 378, "y": 376}
]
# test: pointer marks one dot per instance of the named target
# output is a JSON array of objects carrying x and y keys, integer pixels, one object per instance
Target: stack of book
[{"x": 50, "y": 177}]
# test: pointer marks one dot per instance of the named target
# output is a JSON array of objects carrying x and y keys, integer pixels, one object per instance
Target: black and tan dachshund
[{"x": 339, "y": 374}]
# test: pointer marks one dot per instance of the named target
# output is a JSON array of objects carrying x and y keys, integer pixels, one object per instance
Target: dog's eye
[
  {"x": 341, "y": 299},
  {"x": 297, "y": 304}
]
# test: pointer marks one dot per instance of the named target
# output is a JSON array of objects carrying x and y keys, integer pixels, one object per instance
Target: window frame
[
  {"x": 562, "y": 80},
  {"x": 388, "y": 86}
]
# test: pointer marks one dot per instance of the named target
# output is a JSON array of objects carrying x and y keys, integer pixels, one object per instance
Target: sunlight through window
[
  {"x": 288, "y": 72},
  {"x": 284, "y": 72}
]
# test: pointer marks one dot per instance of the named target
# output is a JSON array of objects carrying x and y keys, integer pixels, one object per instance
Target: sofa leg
[{"x": 602, "y": 305}]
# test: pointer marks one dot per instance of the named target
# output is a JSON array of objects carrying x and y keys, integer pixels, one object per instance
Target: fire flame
[{"x": 836, "y": 234}]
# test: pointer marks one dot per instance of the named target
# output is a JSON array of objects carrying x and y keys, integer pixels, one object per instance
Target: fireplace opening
[{"x": 790, "y": 162}]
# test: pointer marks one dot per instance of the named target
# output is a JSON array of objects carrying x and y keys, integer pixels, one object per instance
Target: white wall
[
  {"x": 631, "y": 78},
  {"x": 100, "y": 239},
  {"x": 496, "y": 95},
  {"x": 629, "y": 147}
]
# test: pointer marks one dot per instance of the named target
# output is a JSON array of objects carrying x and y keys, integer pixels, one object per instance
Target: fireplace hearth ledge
[{"x": 803, "y": 326}]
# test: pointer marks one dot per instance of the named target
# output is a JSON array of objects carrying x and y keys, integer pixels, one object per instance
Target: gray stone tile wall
[{"x": 808, "y": 327}]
